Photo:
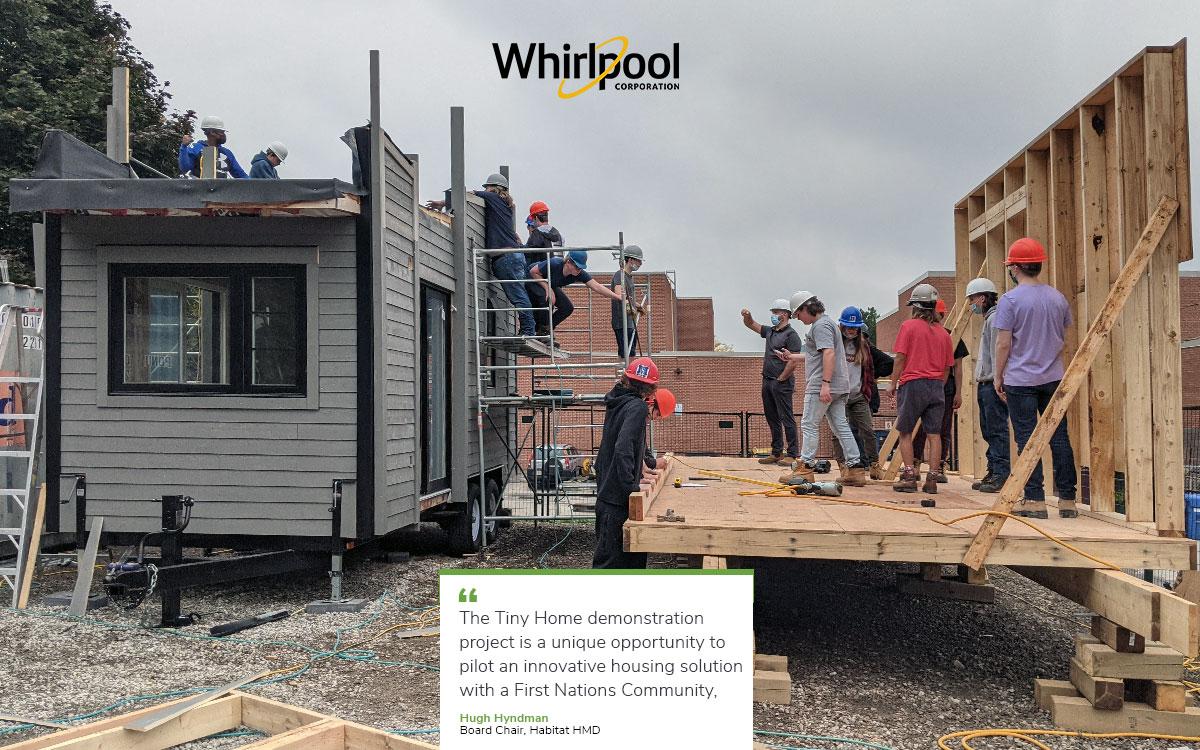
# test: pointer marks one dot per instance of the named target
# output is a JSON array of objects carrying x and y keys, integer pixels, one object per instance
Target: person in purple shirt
[{"x": 1030, "y": 322}]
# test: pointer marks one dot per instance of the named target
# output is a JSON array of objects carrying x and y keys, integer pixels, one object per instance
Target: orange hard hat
[
  {"x": 665, "y": 401},
  {"x": 538, "y": 207},
  {"x": 940, "y": 307},
  {"x": 1025, "y": 250},
  {"x": 643, "y": 370}
]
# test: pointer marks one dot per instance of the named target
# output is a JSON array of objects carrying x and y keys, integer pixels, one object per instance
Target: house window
[
  {"x": 207, "y": 329},
  {"x": 435, "y": 389}
]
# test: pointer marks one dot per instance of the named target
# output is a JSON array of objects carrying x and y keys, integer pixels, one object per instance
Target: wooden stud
[
  {"x": 1116, "y": 637},
  {"x": 1165, "y": 369},
  {"x": 975, "y": 577},
  {"x": 1044, "y": 690},
  {"x": 327, "y": 734},
  {"x": 85, "y": 569},
  {"x": 1093, "y": 183},
  {"x": 95, "y": 727},
  {"x": 1077, "y": 714},
  {"x": 31, "y": 544},
  {"x": 1160, "y": 695},
  {"x": 967, "y": 417},
  {"x": 1182, "y": 152},
  {"x": 1135, "y": 354},
  {"x": 640, "y": 502},
  {"x": 1075, "y": 375},
  {"x": 1116, "y": 248},
  {"x": 1104, "y": 693},
  {"x": 202, "y": 721},
  {"x": 712, "y": 562}
]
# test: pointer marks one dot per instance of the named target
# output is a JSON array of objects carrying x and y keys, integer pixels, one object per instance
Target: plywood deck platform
[{"x": 719, "y": 521}]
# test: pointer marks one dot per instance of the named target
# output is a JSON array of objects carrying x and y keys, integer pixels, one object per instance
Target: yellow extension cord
[{"x": 964, "y": 737}]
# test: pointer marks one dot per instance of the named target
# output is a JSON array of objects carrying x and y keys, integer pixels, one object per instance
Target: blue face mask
[
  {"x": 775, "y": 320},
  {"x": 977, "y": 309}
]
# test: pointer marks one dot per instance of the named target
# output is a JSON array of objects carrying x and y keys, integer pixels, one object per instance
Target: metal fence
[{"x": 1191, "y": 448}]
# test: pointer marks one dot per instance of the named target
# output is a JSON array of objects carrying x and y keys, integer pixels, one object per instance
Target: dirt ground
[{"x": 867, "y": 662}]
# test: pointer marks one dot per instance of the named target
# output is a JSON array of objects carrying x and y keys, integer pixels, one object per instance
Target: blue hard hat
[
  {"x": 578, "y": 257},
  {"x": 851, "y": 318}
]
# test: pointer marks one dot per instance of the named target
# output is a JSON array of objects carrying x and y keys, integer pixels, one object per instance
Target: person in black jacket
[
  {"x": 541, "y": 233},
  {"x": 621, "y": 461}
]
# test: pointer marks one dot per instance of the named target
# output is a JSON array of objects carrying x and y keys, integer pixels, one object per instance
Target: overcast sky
[{"x": 811, "y": 145}]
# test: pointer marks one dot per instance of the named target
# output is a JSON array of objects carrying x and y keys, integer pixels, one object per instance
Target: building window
[
  {"x": 207, "y": 329},
  {"x": 435, "y": 389}
]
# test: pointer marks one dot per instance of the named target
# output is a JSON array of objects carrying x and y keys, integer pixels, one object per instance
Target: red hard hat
[
  {"x": 643, "y": 370},
  {"x": 665, "y": 401},
  {"x": 1025, "y": 250},
  {"x": 940, "y": 307},
  {"x": 538, "y": 207}
]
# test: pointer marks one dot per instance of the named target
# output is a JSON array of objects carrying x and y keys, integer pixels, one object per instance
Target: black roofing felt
[{"x": 72, "y": 176}]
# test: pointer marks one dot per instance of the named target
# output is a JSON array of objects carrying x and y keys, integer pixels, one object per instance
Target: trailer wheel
[
  {"x": 466, "y": 531},
  {"x": 493, "y": 506}
]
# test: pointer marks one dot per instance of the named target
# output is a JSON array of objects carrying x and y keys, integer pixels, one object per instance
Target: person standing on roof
[
  {"x": 993, "y": 412},
  {"x": 541, "y": 234},
  {"x": 1031, "y": 321},
  {"x": 191, "y": 155},
  {"x": 262, "y": 166},
  {"x": 923, "y": 361},
  {"x": 864, "y": 363},
  {"x": 778, "y": 382},
  {"x": 953, "y": 402},
  {"x": 826, "y": 391},
  {"x": 621, "y": 460},
  {"x": 498, "y": 235},
  {"x": 625, "y": 313},
  {"x": 546, "y": 282}
]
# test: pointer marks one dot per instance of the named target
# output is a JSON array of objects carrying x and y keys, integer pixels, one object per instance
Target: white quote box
[{"x": 530, "y": 662}]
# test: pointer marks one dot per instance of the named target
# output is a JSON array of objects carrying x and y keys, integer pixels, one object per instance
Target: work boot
[
  {"x": 992, "y": 484},
  {"x": 773, "y": 458},
  {"x": 801, "y": 472},
  {"x": 931, "y": 483},
  {"x": 940, "y": 477},
  {"x": 854, "y": 475},
  {"x": 542, "y": 331},
  {"x": 907, "y": 481},
  {"x": 876, "y": 471},
  {"x": 787, "y": 460},
  {"x": 935, "y": 477},
  {"x": 1031, "y": 509},
  {"x": 980, "y": 482},
  {"x": 1066, "y": 508}
]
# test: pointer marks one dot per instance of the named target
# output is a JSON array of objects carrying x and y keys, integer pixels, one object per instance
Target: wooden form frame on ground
[
  {"x": 1085, "y": 188},
  {"x": 287, "y": 728}
]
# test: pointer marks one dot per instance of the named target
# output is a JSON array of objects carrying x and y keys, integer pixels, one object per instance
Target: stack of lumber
[
  {"x": 772, "y": 682},
  {"x": 1119, "y": 682}
]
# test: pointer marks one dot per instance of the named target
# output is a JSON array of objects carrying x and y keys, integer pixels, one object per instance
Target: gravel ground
[{"x": 866, "y": 662}]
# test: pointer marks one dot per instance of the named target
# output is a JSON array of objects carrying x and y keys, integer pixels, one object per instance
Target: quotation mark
[{"x": 464, "y": 597}]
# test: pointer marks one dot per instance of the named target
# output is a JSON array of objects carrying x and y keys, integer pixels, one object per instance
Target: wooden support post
[
  {"x": 1165, "y": 370},
  {"x": 967, "y": 419},
  {"x": 1114, "y": 240},
  {"x": 1116, "y": 637},
  {"x": 1072, "y": 381},
  {"x": 1135, "y": 354}
]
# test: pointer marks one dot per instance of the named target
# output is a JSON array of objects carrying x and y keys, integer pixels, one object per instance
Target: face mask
[
  {"x": 775, "y": 320},
  {"x": 976, "y": 308},
  {"x": 1013, "y": 276}
]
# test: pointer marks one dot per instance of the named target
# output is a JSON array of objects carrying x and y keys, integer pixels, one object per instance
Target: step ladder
[{"x": 22, "y": 376}]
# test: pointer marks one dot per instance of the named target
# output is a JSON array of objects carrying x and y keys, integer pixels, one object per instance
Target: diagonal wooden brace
[{"x": 1074, "y": 378}]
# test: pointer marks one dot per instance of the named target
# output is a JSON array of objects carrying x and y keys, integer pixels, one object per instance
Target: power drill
[{"x": 825, "y": 489}]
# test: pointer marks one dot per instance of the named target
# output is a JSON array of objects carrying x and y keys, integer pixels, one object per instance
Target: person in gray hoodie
[{"x": 262, "y": 166}]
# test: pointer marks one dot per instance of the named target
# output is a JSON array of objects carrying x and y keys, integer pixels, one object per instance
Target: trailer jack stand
[{"x": 335, "y": 602}]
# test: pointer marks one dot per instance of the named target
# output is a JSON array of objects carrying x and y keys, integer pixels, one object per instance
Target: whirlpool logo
[{"x": 579, "y": 72}]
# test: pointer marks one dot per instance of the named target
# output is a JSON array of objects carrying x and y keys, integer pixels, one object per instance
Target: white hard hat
[
  {"x": 980, "y": 286},
  {"x": 925, "y": 295},
  {"x": 498, "y": 179},
  {"x": 799, "y": 298},
  {"x": 781, "y": 304},
  {"x": 212, "y": 122},
  {"x": 277, "y": 148}
]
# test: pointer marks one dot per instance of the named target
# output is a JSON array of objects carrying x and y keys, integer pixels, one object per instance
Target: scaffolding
[{"x": 557, "y": 401}]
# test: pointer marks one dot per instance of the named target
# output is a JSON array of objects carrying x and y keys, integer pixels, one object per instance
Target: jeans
[
  {"x": 993, "y": 424},
  {"x": 858, "y": 414},
  {"x": 1025, "y": 402},
  {"x": 512, "y": 267},
  {"x": 810, "y": 426},
  {"x": 610, "y": 541},
  {"x": 562, "y": 305},
  {"x": 777, "y": 407},
  {"x": 633, "y": 342}
]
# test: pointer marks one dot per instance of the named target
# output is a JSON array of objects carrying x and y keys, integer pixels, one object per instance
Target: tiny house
[{"x": 256, "y": 343}]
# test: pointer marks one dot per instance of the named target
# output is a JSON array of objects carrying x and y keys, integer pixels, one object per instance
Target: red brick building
[{"x": 889, "y": 323}]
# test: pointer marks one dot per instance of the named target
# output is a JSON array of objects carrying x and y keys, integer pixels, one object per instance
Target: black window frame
[
  {"x": 240, "y": 325},
  {"x": 429, "y": 486}
]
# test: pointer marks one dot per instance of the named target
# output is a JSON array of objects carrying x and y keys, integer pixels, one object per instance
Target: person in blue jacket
[
  {"x": 191, "y": 155},
  {"x": 262, "y": 166}
]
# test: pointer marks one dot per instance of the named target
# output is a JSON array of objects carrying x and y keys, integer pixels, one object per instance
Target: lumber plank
[
  {"x": 1093, "y": 183},
  {"x": 967, "y": 418},
  {"x": 1182, "y": 152},
  {"x": 772, "y": 687},
  {"x": 1165, "y": 366},
  {"x": 273, "y": 717},
  {"x": 85, "y": 569},
  {"x": 1077, "y": 714},
  {"x": 1104, "y": 693},
  {"x": 1075, "y": 375},
  {"x": 1116, "y": 637},
  {"x": 1130, "y": 602},
  {"x": 712, "y": 562},
  {"x": 327, "y": 734},
  {"x": 150, "y": 721},
  {"x": 946, "y": 588},
  {"x": 640, "y": 502},
  {"x": 769, "y": 663},
  {"x": 1161, "y": 695},
  {"x": 1158, "y": 662},
  {"x": 32, "y": 544},
  {"x": 359, "y": 737},
  {"x": 210, "y": 718},
  {"x": 1116, "y": 248},
  {"x": 1138, "y": 424},
  {"x": 38, "y": 743},
  {"x": 972, "y": 576},
  {"x": 1044, "y": 690}
]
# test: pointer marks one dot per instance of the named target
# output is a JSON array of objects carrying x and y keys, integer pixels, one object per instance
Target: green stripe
[{"x": 588, "y": 572}]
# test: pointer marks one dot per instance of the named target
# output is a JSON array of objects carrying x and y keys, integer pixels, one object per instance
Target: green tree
[
  {"x": 56, "y": 61},
  {"x": 870, "y": 318}
]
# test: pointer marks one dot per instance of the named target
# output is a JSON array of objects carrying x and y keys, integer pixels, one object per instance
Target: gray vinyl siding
[{"x": 262, "y": 471}]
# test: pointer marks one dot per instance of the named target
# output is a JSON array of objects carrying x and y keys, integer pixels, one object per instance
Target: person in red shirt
[{"x": 924, "y": 357}]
